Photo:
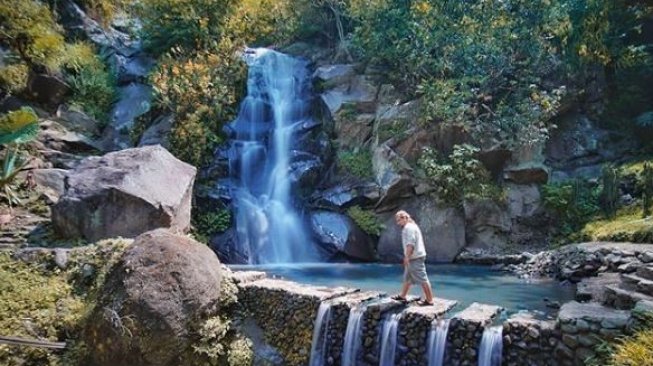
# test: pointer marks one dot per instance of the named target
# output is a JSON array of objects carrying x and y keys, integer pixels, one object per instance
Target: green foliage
[
  {"x": 207, "y": 224},
  {"x": 357, "y": 163},
  {"x": 631, "y": 350},
  {"x": 366, "y": 220},
  {"x": 103, "y": 10},
  {"x": 573, "y": 203},
  {"x": 13, "y": 77},
  {"x": 37, "y": 304},
  {"x": 19, "y": 126},
  {"x": 16, "y": 127},
  {"x": 30, "y": 30},
  {"x": 202, "y": 90},
  {"x": 646, "y": 181},
  {"x": 609, "y": 196},
  {"x": 461, "y": 176},
  {"x": 626, "y": 226},
  {"x": 185, "y": 24}
]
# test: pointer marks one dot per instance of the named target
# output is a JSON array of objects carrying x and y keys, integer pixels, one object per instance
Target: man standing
[{"x": 414, "y": 258}]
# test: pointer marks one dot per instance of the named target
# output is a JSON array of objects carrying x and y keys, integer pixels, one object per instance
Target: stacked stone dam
[
  {"x": 465, "y": 333},
  {"x": 340, "y": 309},
  {"x": 414, "y": 328},
  {"x": 286, "y": 312}
]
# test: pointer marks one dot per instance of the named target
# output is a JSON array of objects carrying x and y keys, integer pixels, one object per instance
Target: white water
[
  {"x": 489, "y": 353},
  {"x": 320, "y": 327},
  {"x": 268, "y": 226},
  {"x": 353, "y": 336},
  {"x": 437, "y": 342},
  {"x": 389, "y": 340}
]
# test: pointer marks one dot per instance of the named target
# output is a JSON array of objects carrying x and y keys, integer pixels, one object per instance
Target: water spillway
[
  {"x": 352, "y": 337},
  {"x": 269, "y": 226},
  {"x": 491, "y": 347},
  {"x": 438, "y": 342},
  {"x": 318, "y": 343},
  {"x": 389, "y": 340}
]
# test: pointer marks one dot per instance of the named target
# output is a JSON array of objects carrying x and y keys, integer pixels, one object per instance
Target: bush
[
  {"x": 30, "y": 31},
  {"x": 207, "y": 224},
  {"x": 366, "y": 220},
  {"x": 93, "y": 85},
  {"x": 202, "y": 90},
  {"x": 13, "y": 77},
  {"x": 461, "y": 176},
  {"x": 357, "y": 163},
  {"x": 573, "y": 204}
]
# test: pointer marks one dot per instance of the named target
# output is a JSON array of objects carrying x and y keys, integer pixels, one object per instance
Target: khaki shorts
[{"x": 415, "y": 272}]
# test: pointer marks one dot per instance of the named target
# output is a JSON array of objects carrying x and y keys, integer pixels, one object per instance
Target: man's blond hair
[{"x": 403, "y": 214}]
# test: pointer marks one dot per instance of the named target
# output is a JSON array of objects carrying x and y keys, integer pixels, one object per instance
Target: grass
[
  {"x": 636, "y": 166},
  {"x": 627, "y": 225},
  {"x": 634, "y": 351}
]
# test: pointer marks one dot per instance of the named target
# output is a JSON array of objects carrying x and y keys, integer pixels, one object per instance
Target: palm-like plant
[{"x": 16, "y": 128}]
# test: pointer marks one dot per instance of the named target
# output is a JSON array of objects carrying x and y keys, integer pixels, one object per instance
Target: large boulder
[
  {"x": 125, "y": 193},
  {"x": 47, "y": 89},
  {"x": 487, "y": 224},
  {"x": 443, "y": 229},
  {"x": 150, "y": 306},
  {"x": 339, "y": 234},
  {"x": 347, "y": 194}
]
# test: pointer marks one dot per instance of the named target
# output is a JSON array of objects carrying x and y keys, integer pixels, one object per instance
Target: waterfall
[
  {"x": 320, "y": 329},
  {"x": 352, "y": 336},
  {"x": 438, "y": 342},
  {"x": 491, "y": 347},
  {"x": 268, "y": 228},
  {"x": 389, "y": 340}
]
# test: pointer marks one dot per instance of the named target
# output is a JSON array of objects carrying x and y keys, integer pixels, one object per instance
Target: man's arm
[{"x": 410, "y": 248}]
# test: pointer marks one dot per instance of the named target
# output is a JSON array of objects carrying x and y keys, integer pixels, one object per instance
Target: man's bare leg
[
  {"x": 404, "y": 289},
  {"x": 428, "y": 292}
]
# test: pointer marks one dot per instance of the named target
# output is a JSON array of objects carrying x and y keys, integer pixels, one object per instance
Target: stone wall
[
  {"x": 414, "y": 328},
  {"x": 286, "y": 312},
  {"x": 372, "y": 325},
  {"x": 528, "y": 341},
  {"x": 465, "y": 332},
  {"x": 335, "y": 333}
]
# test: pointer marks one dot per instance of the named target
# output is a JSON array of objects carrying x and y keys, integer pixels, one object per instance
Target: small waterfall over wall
[
  {"x": 268, "y": 227},
  {"x": 491, "y": 347},
  {"x": 437, "y": 342},
  {"x": 389, "y": 340},
  {"x": 352, "y": 337},
  {"x": 318, "y": 343}
]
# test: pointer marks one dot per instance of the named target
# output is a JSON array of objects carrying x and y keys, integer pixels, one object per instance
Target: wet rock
[
  {"x": 158, "y": 132},
  {"x": 338, "y": 233},
  {"x": 134, "y": 100},
  {"x": 228, "y": 249},
  {"x": 346, "y": 195}
]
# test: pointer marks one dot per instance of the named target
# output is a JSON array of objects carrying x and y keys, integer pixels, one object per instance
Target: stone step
[
  {"x": 638, "y": 283},
  {"x": 645, "y": 272},
  {"x": 620, "y": 298},
  {"x": 593, "y": 288}
]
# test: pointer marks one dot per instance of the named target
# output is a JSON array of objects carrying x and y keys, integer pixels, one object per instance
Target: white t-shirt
[{"x": 411, "y": 234}]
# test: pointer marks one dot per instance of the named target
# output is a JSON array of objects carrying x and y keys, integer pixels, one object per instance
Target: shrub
[
  {"x": 207, "y": 224},
  {"x": 16, "y": 127},
  {"x": 202, "y": 90},
  {"x": 366, "y": 220},
  {"x": 573, "y": 203},
  {"x": 357, "y": 163},
  {"x": 13, "y": 77},
  {"x": 609, "y": 196},
  {"x": 30, "y": 30},
  {"x": 460, "y": 176}
]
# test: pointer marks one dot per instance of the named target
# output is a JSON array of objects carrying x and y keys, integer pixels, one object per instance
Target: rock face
[
  {"x": 150, "y": 301},
  {"x": 443, "y": 229},
  {"x": 47, "y": 89},
  {"x": 488, "y": 224},
  {"x": 338, "y": 233},
  {"x": 125, "y": 193}
]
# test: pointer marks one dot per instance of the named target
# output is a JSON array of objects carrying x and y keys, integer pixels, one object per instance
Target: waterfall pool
[{"x": 464, "y": 283}]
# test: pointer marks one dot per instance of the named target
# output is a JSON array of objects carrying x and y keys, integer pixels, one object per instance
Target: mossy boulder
[{"x": 153, "y": 303}]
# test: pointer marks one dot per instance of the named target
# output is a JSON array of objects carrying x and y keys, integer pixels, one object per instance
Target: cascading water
[
  {"x": 438, "y": 342},
  {"x": 389, "y": 340},
  {"x": 352, "y": 336},
  {"x": 491, "y": 347},
  {"x": 269, "y": 230},
  {"x": 320, "y": 327}
]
